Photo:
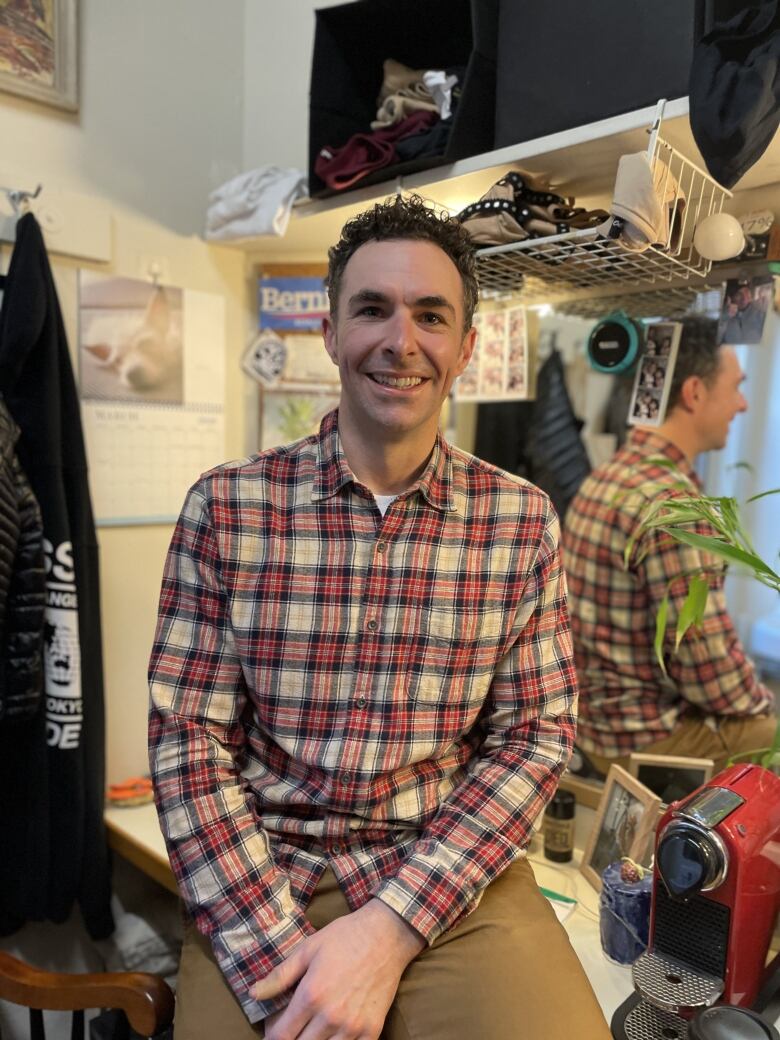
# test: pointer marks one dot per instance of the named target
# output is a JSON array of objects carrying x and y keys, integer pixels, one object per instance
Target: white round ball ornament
[{"x": 719, "y": 237}]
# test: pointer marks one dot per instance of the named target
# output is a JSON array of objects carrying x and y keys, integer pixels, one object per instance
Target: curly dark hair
[
  {"x": 406, "y": 218},
  {"x": 698, "y": 355}
]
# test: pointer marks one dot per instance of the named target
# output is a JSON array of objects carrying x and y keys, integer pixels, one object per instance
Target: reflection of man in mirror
[
  {"x": 744, "y": 317},
  {"x": 709, "y": 703}
]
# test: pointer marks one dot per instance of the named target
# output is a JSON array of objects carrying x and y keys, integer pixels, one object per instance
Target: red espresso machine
[{"x": 716, "y": 895}]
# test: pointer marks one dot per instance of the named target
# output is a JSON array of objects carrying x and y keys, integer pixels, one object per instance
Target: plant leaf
[
  {"x": 661, "y": 460},
  {"x": 773, "y": 755},
  {"x": 755, "y": 498},
  {"x": 660, "y": 628},
  {"x": 679, "y": 516},
  {"x": 692, "y": 610},
  {"x": 754, "y": 755},
  {"x": 723, "y": 549}
]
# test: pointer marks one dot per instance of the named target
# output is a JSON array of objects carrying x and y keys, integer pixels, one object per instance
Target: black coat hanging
[{"x": 64, "y": 783}]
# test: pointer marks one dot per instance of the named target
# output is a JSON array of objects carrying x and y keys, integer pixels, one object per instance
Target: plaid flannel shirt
[
  {"x": 391, "y": 696},
  {"x": 626, "y": 702}
]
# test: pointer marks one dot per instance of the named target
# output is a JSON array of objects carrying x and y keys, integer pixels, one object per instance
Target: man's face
[
  {"x": 398, "y": 339},
  {"x": 744, "y": 297},
  {"x": 721, "y": 401}
]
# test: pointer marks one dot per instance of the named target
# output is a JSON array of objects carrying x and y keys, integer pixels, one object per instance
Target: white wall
[
  {"x": 277, "y": 68},
  {"x": 160, "y": 124},
  {"x": 161, "y": 116},
  {"x": 753, "y": 439}
]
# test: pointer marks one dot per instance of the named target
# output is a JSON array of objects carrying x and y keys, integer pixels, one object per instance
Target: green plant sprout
[{"x": 730, "y": 543}]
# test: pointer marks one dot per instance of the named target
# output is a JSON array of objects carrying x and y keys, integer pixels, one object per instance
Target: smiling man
[{"x": 363, "y": 695}]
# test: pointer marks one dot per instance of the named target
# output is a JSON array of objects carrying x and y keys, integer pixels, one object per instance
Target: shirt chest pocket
[{"x": 453, "y": 656}]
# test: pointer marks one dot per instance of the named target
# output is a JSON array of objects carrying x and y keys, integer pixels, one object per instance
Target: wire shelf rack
[
  {"x": 672, "y": 302},
  {"x": 585, "y": 259}
]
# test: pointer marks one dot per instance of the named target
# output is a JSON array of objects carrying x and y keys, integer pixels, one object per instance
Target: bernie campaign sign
[{"x": 292, "y": 304}]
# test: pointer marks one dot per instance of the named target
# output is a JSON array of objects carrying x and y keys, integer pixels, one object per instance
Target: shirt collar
[
  {"x": 648, "y": 443},
  {"x": 333, "y": 472}
]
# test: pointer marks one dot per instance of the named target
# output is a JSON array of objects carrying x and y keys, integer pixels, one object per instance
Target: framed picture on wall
[
  {"x": 39, "y": 51},
  {"x": 745, "y": 306},
  {"x": 626, "y": 815},
  {"x": 671, "y": 777},
  {"x": 288, "y": 416}
]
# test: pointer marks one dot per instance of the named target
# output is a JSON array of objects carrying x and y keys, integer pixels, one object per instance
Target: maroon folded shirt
[{"x": 342, "y": 167}]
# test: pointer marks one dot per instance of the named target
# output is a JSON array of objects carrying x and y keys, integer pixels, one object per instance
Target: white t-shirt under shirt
[{"x": 383, "y": 501}]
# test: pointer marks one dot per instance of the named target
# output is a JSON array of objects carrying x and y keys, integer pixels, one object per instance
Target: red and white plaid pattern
[
  {"x": 626, "y": 702},
  {"x": 391, "y": 696}
]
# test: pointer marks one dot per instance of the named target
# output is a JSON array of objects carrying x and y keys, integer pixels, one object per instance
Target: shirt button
[
  {"x": 371, "y": 626},
  {"x": 361, "y": 702},
  {"x": 381, "y": 547},
  {"x": 346, "y": 778},
  {"x": 335, "y": 850}
]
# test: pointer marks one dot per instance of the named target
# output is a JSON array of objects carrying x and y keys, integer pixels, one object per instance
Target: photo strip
[{"x": 653, "y": 378}]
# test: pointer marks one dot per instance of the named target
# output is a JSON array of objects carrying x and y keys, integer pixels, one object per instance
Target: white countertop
[{"x": 135, "y": 833}]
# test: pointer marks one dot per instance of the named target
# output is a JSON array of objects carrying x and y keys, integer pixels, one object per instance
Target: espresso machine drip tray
[
  {"x": 672, "y": 985},
  {"x": 645, "y": 1022}
]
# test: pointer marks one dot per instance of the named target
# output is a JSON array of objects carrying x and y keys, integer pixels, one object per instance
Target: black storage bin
[
  {"x": 352, "y": 41},
  {"x": 564, "y": 64}
]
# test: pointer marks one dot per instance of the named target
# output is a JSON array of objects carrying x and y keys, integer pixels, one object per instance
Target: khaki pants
[
  {"x": 705, "y": 737},
  {"x": 508, "y": 972}
]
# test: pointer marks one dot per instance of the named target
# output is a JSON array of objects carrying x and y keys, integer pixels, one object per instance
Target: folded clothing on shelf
[
  {"x": 398, "y": 107},
  {"x": 254, "y": 203},
  {"x": 406, "y": 90},
  {"x": 519, "y": 207},
  {"x": 428, "y": 142},
  {"x": 342, "y": 167}
]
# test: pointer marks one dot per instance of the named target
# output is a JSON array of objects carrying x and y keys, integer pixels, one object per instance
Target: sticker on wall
[
  {"x": 265, "y": 358},
  {"x": 292, "y": 304}
]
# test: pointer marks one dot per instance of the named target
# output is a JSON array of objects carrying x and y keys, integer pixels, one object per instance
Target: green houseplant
[{"x": 730, "y": 543}]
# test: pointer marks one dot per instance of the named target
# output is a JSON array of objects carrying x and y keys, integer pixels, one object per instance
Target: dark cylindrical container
[{"x": 558, "y": 827}]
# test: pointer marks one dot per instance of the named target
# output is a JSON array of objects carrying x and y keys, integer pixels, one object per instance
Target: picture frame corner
[{"x": 63, "y": 92}]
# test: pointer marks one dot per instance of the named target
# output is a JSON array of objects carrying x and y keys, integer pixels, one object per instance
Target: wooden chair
[{"x": 146, "y": 999}]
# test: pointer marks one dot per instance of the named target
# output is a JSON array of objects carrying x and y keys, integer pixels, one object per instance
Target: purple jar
[{"x": 624, "y": 915}]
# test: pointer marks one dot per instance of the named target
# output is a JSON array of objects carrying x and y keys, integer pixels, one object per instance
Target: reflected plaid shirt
[
  {"x": 391, "y": 696},
  {"x": 626, "y": 702}
]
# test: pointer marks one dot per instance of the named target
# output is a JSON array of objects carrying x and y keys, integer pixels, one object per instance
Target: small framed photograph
[
  {"x": 288, "y": 416},
  {"x": 745, "y": 306},
  {"x": 653, "y": 379},
  {"x": 627, "y": 813},
  {"x": 670, "y": 777}
]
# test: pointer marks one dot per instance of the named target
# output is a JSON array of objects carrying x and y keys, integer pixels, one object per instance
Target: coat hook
[{"x": 20, "y": 200}]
